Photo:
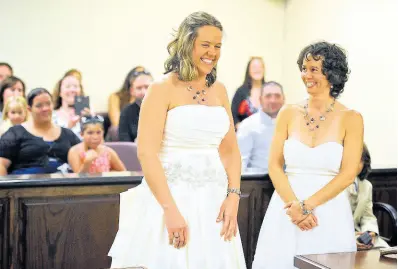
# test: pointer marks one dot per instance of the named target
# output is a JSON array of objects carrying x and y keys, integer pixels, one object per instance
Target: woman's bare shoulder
[
  {"x": 290, "y": 109},
  {"x": 348, "y": 114}
]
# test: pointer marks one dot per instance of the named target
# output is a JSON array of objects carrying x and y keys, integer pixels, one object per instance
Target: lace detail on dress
[{"x": 197, "y": 171}]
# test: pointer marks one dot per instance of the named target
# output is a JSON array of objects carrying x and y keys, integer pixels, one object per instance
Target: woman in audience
[
  {"x": 65, "y": 92},
  {"x": 184, "y": 214},
  {"x": 11, "y": 86},
  {"x": 319, "y": 141},
  {"x": 360, "y": 194},
  {"x": 91, "y": 156},
  {"x": 15, "y": 112},
  {"x": 129, "y": 117},
  {"x": 37, "y": 146},
  {"x": 125, "y": 96},
  {"x": 246, "y": 99}
]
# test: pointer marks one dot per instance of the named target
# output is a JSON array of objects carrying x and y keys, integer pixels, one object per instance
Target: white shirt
[{"x": 254, "y": 140}]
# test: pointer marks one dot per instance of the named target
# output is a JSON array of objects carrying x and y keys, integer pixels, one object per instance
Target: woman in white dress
[
  {"x": 320, "y": 142},
  {"x": 184, "y": 213}
]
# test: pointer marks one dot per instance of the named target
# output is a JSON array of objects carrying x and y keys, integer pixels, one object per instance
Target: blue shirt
[{"x": 254, "y": 140}]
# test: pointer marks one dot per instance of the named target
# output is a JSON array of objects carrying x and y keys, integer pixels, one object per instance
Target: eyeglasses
[
  {"x": 142, "y": 72},
  {"x": 92, "y": 119}
]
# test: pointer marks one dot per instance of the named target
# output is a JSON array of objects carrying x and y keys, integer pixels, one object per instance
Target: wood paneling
[
  {"x": 4, "y": 212},
  {"x": 71, "y": 222}
]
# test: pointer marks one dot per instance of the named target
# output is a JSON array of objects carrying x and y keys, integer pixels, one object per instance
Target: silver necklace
[
  {"x": 199, "y": 95},
  {"x": 313, "y": 123}
]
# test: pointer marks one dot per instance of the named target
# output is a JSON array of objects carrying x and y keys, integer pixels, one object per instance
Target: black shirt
[
  {"x": 128, "y": 123},
  {"x": 25, "y": 150},
  {"x": 241, "y": 94}
]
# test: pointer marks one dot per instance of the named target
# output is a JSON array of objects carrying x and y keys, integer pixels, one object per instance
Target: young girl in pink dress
[{"x": 91, "y": 156}]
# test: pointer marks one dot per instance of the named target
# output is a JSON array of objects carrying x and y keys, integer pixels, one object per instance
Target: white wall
[
  {"x": 366, "y": 29},
  {"x": 105, "y": 39}
]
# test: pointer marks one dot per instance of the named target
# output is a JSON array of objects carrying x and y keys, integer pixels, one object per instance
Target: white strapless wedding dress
[
  {"x": 198, "y": 183},
  {"x": 308, "y": 170}
]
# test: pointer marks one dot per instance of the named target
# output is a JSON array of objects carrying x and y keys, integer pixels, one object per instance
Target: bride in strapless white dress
[
  {"x": 184, "y": 213},
  {"x": 319, "y": 142},
  {"x": 308, "y": 169},
  {"x": 198, "y": 184}
]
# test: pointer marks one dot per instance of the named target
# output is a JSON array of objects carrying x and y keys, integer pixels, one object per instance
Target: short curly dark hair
[
  {"x": 334, "y": 64},
  {"x": 367, "y": 163}
]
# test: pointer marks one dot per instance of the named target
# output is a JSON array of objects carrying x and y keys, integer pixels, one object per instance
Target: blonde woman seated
[
  {"x": 360, "y": 194},
  {"x": 15, "y": 112}
]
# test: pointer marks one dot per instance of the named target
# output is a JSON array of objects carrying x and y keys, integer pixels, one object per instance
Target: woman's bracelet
[
  {"x": 305, "y": 211},
  {"x": 234, "y": 190}
]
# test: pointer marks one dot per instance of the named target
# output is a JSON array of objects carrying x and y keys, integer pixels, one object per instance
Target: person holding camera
[{"x": 69, "y": 102}]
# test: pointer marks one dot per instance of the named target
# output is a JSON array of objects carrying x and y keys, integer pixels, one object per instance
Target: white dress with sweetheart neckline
[
  {"x": 308, "y": 170},
  {"x": 198, "y": 183}
]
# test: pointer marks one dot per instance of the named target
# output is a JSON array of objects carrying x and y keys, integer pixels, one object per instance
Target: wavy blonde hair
[{"x": 181, "y": 47}]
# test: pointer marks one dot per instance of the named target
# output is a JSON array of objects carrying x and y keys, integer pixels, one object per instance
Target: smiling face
[
  {"x": 256, "y": 69},
  {"x": 272, "y": 100},
  {"x": 312, "y": 76},
  {"x": 207, "y": 49},
  {"x": 70, "y": 87},
  {"x": 41, "y": 109}
]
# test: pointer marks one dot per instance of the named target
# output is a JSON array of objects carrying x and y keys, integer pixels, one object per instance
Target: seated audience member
[
  {"x": 91, "y": 156},
  {"x": 5, "y": 71},
  {"x": 128, "y": 124},
  {"x": 246, "y": 98},
  {"x": 125, "y": 96},
  {"x": 37, "y": 146},
  {"x": 360, "y": 195},
  {"x": 11, "y": 86},
  {"x": 65, "y": 92},
  {"x": 15, "y": 112},
  {"x": 255, "y": 132}
]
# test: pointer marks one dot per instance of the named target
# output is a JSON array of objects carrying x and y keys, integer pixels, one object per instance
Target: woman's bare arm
[
  {"x": 116, "y": 163},
  {"x": 114, "y": 109},
  {"x": 153, "y": 115},
  {"x": 229, "y": 150},
  {"x": 4, "y": 164},
  {"x": 276, "y": 158}
]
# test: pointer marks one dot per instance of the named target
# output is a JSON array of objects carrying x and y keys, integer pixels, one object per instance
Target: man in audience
[
  {"x": 5, "y": 71},
  {"x": 128, "y": 123},
  {"x": 255, "y": 132}
]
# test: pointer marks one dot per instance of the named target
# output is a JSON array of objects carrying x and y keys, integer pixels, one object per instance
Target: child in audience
[
  {"x": 91, "y": 156},
  {"x": 15, "y": 112}
]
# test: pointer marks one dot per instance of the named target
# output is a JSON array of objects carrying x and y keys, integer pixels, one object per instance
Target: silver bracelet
[
  {"x": 305, "y": 211},
  {"x": 234, "y": 190}
]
